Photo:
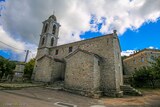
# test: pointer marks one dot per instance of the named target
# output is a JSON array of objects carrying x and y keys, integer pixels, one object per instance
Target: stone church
[{"x": 88, "y": 67}]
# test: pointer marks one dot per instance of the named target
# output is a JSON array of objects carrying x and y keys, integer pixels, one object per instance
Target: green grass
[
  {"x": 17, "y": 85},
  {"x": 148, "y": 89}
]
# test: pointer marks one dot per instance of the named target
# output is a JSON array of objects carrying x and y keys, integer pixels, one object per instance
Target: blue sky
[
  {"x": 2, "y": 0},
  {"x": 144, "y": 37},
  {"x": 21, "y": 23},
  {"x": 147, "y": 36},
  {"x": 4, "y": 54}
]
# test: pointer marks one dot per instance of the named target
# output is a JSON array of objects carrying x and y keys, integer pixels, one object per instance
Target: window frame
[
  {"x": 70, "y": 49},
  {"x": 52, "y": 41},
  {"x": 43, "y": 41},
  {"x": 54, "y": 29},
  {"x": 45, "y": 28},
  {"x": 56, "y": 52}
]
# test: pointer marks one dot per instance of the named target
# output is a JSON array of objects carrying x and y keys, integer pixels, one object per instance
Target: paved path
[{"x": 40, "y": 97}]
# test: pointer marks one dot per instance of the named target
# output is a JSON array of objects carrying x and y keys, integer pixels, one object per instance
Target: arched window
[
  {"x": 52, "y": 41},
  {"x": 43, "y": 39},
  {"x": 54, "y": 29},
  {"x": 45, "y": 29}
]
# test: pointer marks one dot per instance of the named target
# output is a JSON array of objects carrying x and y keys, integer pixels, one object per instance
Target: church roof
[
  {"x": 84, "y": 41},
  {"x": 50, "y": 57},
  {"x": 141, "y": 51},
  {"x": 84, "y": 51}
]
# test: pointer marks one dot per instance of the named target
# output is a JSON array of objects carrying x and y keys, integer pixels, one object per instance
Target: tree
[
  {"x": 6, "y": 67},
  {"x": 147, "y": 75},
  {"x": 124, "y": 57},
  {"x": 2, "y": 67},
  {"x": 156, "y": 67},
  {"x": 29, "y": 69}
]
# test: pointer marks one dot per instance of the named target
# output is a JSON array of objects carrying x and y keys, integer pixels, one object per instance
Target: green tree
[
  {"x": 147, "y": 75},
  {"x": 156, "y": 67},
  {"x": 124, "y": 57},
  {"x": 6, "y": 67},
  {"x": 29, "y": 69}
]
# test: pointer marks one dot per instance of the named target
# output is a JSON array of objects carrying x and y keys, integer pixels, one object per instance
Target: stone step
[{"x": 128, "y": 90}]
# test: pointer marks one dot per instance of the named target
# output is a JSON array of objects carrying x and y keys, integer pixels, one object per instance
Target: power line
[
  {"x": 27, "y": 51},
  {"x": 11, "y": 46}
]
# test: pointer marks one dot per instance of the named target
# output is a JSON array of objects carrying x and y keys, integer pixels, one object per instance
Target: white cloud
[
  {"x": 152, "y": 47},
  {"x": 15, "y": 46},
  {"x": 127, "y": 52},
  {"x": 22, "y": 18}
]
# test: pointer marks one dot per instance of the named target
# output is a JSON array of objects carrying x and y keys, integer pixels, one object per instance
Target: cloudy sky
[{"x": 137, "y": 23}]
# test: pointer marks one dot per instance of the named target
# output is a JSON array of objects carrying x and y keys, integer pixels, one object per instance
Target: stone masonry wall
[
  {"x": 138, "y": 61},
  {"x": 79, "y": 72},
  {"x": 103, "y": 46},
  {"x": 118, "y": 63},
  {"x": 43, "y": 70},
  {"x": 58, "y": 71}
]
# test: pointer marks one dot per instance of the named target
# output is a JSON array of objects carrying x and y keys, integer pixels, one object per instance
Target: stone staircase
[{"x": 128, "y": 90}]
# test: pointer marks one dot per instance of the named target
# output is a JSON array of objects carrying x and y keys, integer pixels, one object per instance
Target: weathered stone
[
  {"x": 87, "y": 66},
  {"x": 18, "y": 72},
  {"x": 139, "y": 59}
]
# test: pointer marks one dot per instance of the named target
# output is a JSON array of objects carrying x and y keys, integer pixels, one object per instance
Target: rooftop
[{"x": 152, "y": 50}]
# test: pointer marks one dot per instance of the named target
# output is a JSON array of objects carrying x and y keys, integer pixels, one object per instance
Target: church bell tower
[{"x": 49, "y": 35}]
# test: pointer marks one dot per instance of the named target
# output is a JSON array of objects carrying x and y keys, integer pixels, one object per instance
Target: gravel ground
[{"x": 41, "y": 97}]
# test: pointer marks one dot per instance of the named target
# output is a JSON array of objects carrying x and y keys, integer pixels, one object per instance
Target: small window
[
  {"x": 43, "y": 39},
  {"x": 54, "y": 29},
  {"x": 70, "y": 49},
  {"x": 45, "y": 29},
  {"x": 52, "y": 41},
  {"x": 135, "y": 69},
  {"x": 56, "y": 52},
  {"x": 98, "y": 63}
]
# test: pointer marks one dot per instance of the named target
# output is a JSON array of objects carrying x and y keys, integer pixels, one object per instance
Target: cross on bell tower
[{"x": 50, "y": 30}]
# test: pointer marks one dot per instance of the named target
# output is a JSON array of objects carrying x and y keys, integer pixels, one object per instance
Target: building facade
[
  {"x": 139, "y": 59},
  {"x": 91, "y": 66},
  {"x": 18, "y": 72}
]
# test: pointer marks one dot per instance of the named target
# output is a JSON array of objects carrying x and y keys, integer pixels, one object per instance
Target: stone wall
[
  {"x": 96, "y": 74},
  {"x": 139, "y": 60},
  {"x": 88, "y": 70},
  {"x": 103, "y": 46},
  {"x": 79, "y": 72},
  {"x": 107, "y": 47},
  {"x": 43, "y": 69},
  {"x": 58, "y": 71},
  {"x": 118, "y": 63}
]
